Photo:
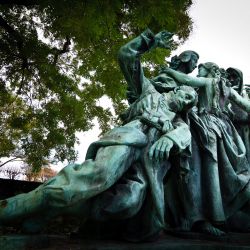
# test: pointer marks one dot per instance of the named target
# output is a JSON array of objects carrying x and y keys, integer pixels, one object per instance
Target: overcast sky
[{"x": 221, "y": 34}]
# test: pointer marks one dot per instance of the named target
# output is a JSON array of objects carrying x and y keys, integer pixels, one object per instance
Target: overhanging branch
[
  {"x": 65, "y": 49},
  {"x": 12, "y": 32},
  {"x": 10, "y": 160}
]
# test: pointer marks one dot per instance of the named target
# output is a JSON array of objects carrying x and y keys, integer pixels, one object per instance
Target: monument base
[
  {"x": 12, "y": 242},
  {"x": 165, "y": 242}
]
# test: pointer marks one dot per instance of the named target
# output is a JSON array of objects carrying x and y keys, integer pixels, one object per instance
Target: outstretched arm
[
  {"x": 188, "y": 80},
  {"x": 129, "y": 57},
  {"x": 242, "y": 102}
]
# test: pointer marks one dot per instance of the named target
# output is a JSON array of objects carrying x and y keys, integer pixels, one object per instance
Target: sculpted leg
[
  {"x": 71, "y": 188},
  {"x": 212, "y": 204},
  {"x": 124, "y": 199}
]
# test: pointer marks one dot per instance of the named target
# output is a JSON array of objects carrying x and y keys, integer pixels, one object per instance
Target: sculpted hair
[
  {"x": 184, "y": 57},
  {"x": 234, "y": 71},
  {"x": 212, "y": 68}
]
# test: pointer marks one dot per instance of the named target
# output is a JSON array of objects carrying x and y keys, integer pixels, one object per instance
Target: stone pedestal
[
  {"x": 165, "y": 242},
  {"x": 19, "y": 242}
]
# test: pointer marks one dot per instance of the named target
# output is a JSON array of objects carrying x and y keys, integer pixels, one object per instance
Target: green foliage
[{"x": 59, "y": 57}]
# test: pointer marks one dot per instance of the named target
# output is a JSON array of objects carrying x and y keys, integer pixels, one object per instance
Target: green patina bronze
[
  {"x": 220, "y": 170},
  {"x": 178, "y": 162}
]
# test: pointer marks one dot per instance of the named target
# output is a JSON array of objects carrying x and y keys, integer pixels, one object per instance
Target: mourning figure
[{"x": 222, "y": 173}]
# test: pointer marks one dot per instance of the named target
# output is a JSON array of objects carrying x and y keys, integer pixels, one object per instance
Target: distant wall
[{"x": 13, "y": 187}]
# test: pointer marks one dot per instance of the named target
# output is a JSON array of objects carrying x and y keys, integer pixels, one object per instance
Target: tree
[
  {"x": 45, "y": 173},
  {"x": 11, "y": 172},
  {"x": 59, "y": 57}
]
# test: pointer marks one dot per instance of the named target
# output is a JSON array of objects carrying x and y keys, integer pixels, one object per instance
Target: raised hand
[
  {"x": 160, "y": 149},
  {"x": 164, "y": 39}
]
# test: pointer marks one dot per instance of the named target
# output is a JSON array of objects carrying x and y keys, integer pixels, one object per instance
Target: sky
[{"x": 220, "y": 34}]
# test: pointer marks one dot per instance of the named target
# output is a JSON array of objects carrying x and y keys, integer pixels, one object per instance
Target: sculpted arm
[
  {"x": 188, "y": 80},
  {"x": 239, "y": 100},
  {"x": 129, "y": 57}
]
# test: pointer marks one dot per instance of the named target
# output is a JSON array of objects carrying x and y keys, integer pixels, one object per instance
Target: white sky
[{"x": 220, "y": 34}]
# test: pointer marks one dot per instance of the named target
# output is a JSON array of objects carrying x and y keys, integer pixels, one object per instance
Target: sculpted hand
[
  {"x": 168, "y": 70},
  {"x": 164, "y": 39},
  {"x": 160, "y": 149}
]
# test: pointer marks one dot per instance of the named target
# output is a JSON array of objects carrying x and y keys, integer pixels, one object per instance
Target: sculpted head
[
  {"x": 208, "y": 69},
  {"x": 235, "y": 77},
  {"x": 186, "y": 62},
  {"x": 182, "y": 98},
  {"x": 223, "y": 73}
]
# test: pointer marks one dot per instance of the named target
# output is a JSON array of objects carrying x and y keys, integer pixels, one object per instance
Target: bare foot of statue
[{"x": 207, "y": 228}]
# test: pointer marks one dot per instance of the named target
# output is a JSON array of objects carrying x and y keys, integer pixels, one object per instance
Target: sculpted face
[
  {"x": 235, "y": 80},
  {"x": 183, "y": 98},
  {"x": 203, "y": 72},
  {"x": 235, "y": 77},
  {"x": 192, "y": 64}
]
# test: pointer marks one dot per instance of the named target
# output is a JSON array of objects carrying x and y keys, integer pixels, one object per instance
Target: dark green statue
[
  {"x": 136, "y": 152},
  {"x": 240, "y": 118},
  {"x": 177, "y": 162},
  {"x": 220, "y": 170}
]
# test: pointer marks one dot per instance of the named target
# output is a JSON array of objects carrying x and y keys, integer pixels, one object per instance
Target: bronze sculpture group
[{"x": 180, "y": 162}]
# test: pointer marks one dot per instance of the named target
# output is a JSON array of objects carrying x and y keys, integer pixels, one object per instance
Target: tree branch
[
  {"x": 12, "y": 32},
  {"x": 59, "y": 52},
  {"x": 20, "y": 44},
  {"x": 10, "y": 160},
  {"x": 17, "y": 38}
]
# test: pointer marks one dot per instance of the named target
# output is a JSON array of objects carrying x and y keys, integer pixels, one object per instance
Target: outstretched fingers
[
  {"x": 164, "y": 39},
  {"x": 160, "y": 149}
]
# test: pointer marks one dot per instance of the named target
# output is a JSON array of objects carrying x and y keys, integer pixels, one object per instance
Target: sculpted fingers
[
  {"x": 162, "y": 151},
  {"x": 164, "y": 40},
  {"x": 155, "y": 150},
  {"x": 158, "y": 149},
  {"x": 167, "y": 153},
  {"x": 169, "y": 145},
  {"x": 151, "y": 151}
]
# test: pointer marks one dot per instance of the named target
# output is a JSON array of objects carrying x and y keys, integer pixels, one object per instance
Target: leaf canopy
[{"x": 59, "y": 57}]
